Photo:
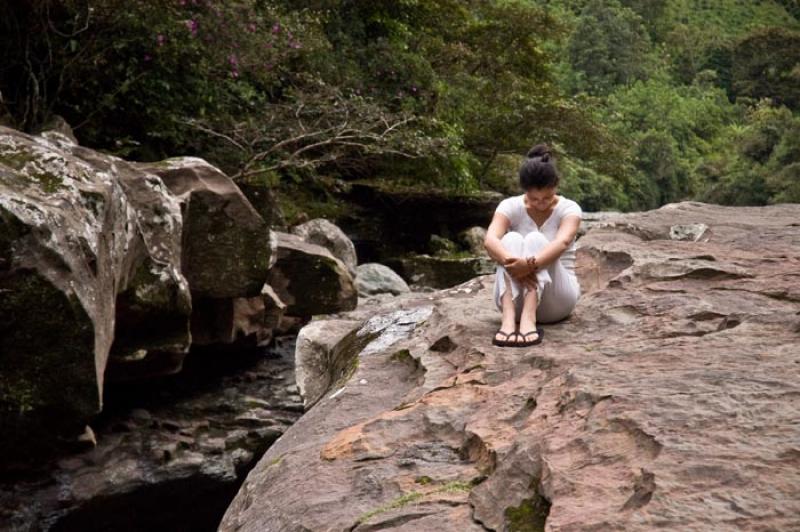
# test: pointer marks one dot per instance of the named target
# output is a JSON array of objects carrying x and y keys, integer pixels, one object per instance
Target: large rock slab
[
  {"x": 77, "y": 228},
  {"x": 226, "y": 251},
  {"x": 667, "y": 400},
  {"x": 309, "y": 280}
]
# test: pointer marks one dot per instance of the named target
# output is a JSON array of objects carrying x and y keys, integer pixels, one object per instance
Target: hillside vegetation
[{"x": 647, "y": 102}]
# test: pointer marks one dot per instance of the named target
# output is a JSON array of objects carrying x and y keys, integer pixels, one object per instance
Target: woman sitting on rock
[{"x": 532, "y": 238}]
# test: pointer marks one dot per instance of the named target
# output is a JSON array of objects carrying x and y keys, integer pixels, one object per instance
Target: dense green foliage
[{"x": 646, "y": 102}]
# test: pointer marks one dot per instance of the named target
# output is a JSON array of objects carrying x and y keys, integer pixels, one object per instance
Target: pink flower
[
  {"x": 147, "y": 57},
  {"x": 233, "y": 60},
  {"x": 160, "y": 39},
  {"x": 276, "y": 28},
  {"x": 192, "y": 25},
  {"x": 251, "y": 27}
]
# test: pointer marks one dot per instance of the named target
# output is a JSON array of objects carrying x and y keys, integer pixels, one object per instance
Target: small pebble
[{"x": 140, "y": 414}]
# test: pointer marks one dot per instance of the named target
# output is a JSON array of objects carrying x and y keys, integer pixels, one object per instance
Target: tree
[
  {"x": 757, "y": 162},
  {"x": 766, "y": 64},
  {"x": 608, "y": 47}
]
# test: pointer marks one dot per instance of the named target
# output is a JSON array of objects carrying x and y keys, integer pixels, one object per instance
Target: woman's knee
[
  {"x": 535, "y": 241},
  {"x": 512, "y": 241}
]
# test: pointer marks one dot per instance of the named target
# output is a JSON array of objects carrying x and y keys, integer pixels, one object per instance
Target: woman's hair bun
[
  {"x": 539, "y": 169},
  {"x": 540, "y": 152}
]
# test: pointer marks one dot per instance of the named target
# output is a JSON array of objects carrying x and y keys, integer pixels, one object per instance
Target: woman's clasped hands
[{"x": 523, "y": 271}]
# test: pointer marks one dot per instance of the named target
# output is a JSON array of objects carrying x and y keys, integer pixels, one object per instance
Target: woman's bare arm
[
  {"x": 494, "y": 233},
  {"x": 517, "y": 267},
  {"x": 566, "y": 233}
]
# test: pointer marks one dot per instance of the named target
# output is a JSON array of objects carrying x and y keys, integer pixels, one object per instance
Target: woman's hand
[{"x": 522, "y": 272}]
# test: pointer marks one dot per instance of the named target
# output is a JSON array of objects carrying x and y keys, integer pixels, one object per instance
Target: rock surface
[
  {"x": 326, "y": 234},
  {"x": 110, "y": 270},
  {"x": 373, "y": 278},
  {"x": 318, "y": 362},
  {"x": 668, "y": 399},
  {"x": 77, "y": 228},
  {"x": 309, "y": 280}
]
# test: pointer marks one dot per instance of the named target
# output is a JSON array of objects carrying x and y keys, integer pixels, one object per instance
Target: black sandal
[
  {"x": 503, "y": 343},
  {"x": 528, "y": 343}
]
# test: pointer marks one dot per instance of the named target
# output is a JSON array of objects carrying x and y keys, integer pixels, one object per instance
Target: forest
[{"x": 645, "y": 102}]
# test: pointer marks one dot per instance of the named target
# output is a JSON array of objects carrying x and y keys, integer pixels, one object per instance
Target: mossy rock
[
  {"x": 441, "y": 272},
  {"x": 310, "y": 280},
  {"x": 48, "y": 385},
  {"x": 151, "y": 314},
  {"x": 223, "y": 255},
  {"x": 529, "y": 516}
]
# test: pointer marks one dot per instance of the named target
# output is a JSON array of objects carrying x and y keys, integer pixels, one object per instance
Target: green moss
[
  {"x": 399, "y": 502},
  {"x": 529, "y": 516},
  {"x": 15, "y": 159},
  {"x": 456, "y": 486},
  {"x": 19, "y": 159},
  {"x": 49, "y": 182},
  {"x": 457, "y": 255},
  {"x": 404, "y": 355}
]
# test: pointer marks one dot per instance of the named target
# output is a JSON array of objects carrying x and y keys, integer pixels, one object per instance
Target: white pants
[{"x": 558, "y": 286}]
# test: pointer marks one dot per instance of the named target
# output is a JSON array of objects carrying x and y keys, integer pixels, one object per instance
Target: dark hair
[{"x": 539, "y": 169}]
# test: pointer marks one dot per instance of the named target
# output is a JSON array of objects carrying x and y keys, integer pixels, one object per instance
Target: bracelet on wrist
[{"x": 531, "y": 262}]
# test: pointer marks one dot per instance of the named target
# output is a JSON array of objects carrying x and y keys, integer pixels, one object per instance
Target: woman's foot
[
  {"x": 505, "y": 339},
  {"x": 528, "y": 335}
]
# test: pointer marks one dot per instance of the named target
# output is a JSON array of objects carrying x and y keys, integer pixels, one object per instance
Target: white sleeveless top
[{"x": 513, "y": 208}]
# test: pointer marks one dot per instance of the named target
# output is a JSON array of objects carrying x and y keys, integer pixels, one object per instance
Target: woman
[{"x": 532, "y": 238}]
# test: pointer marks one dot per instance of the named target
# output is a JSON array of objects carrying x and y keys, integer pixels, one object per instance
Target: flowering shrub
[{"x": 128, "y": 74}]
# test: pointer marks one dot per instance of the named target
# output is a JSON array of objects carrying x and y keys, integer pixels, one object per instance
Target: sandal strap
[{"x": 505, "y": 334}]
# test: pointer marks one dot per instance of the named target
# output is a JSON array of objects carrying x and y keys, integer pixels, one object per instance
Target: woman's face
[{"x": 541, "y": 199}]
